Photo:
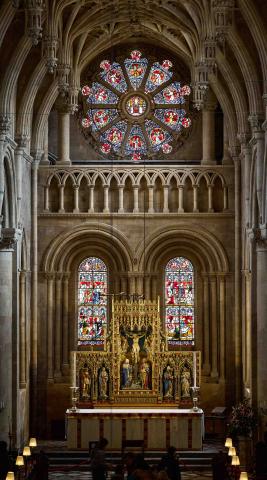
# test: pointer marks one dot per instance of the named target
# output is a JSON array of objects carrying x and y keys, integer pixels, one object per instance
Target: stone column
[
  {"x": 76, "y": 199},
  {"x": 248, "y": 329},
  {"x": 206, "y": 316},
  {"x": 151, "y": 199},
  {"x": 61, "y": 199},
  {"x": 222, "y": 326},
  {"x": 248, "y": 160},
  {"x": 63, "y": 136},
  {"x": 6, "y": 340},
  {"x": 22, "y": 328},
  {"x": 50, "y": 325},
  {"x": 131, "y": 282},
  {"x": 181, "y": 199},
  {"x": 124, "y": 285},
  {"x": 65, "y": 325},
  {"x": 58, "y": 324},
  {"x": 147, "y": 287},
  {"x": 121, "y": 192},
  {"x": 154, "y": 288},
  {"x": 225, "y": 198},
  {"x": 261, "y": 252},
  {"x": 106, "y": 205},
  {"x": 91, "y": 199},
  {"x": 46, "y": 198},
  {"x": 195, "y": 199},
  {"x": 208, "y": 134},
  {"x": 166, "y": 199},
  {"x": 258, "y": 134},
  {"x": 226, "y": 155},
  {"x": 210, "y": 200},
  {"x": 214, "y": 327},
  {"x": 136, "y": 200}
]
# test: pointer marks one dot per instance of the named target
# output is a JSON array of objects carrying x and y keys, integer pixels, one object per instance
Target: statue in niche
[
  {"x": 103, "y": 379},
  {"x": 144, "y": 374},
  {"x": 124, "y": 344},
  {"x": 168, "y": 379},
  {"x": 185, "y": 383},
  {"x": 126, "y": 373},
  {"x": 85, "y": 382}
]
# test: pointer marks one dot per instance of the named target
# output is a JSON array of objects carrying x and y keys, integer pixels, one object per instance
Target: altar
[
  {"x": 136, "y": 385},
  {"x": 158, "y": 428}
]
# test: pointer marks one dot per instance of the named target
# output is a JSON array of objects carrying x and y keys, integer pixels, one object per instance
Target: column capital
[
  {"x": 50, "y": 276},
  {"x": 9, "y": 238},
  {"x": 256, "y": 122},
  {"x": 22, "y": 141},
  {"x": 5, "y": 125}
]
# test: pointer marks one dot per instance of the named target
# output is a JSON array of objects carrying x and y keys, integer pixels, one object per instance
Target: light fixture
[
  {"x": 235, "y": 460},
  {"x": 228, "y": 442},
  {"x": 33, "y": 442},
  {"x": 19, "y": 461},
  {"x": 10, "y": 476},
  {"x": 232, "y": 451},
  {"x": 243, "y": 476},
  {"x": 26, "y": 452}
]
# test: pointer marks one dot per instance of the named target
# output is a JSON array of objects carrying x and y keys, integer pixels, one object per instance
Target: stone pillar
[
  {"x": 58, "y": 324},
  {"x": 61, "y": 199},
  {"x": 226, "y": 155},
  {"x": 248, "y": 159},
  {"x": 166, "y": 199},
  {"x": 147, "y": 287},
  {"x": 76, "y": 199},
  {"x": 131, "y": 282},
  {"x": 65, "y": 325},
  {"x": 91, "y": 199},
  {"x": 208, "y": 134},
  {"x": 6, "y": 343},
  {"x": 258, "y": 134},
  {"x": 261, "y": 252},
  {"x": 63, "y": 136},
  {"x": 106, "y": 205},
  {"x": 225, "y": 198},
  {"x": 181, "y": 199},
  {"x": 22, "y": 328},
  {"x": 50, "y": 325},
  {"x": 136, "y": 200},
  {"x": 214, "y": 327},
  {"x": 46, "y": 198},
  {"x": 206, "y": 316},
  {"x": 124, "y": 285},
  {"x": 222, "y": 326},
  {"x": 195, "y": 199},
  {"x": 121, "y": 192},
  {"x": 248, "y": 329},
  {"x": 151, "y": 199},
  {"x": 210, "y": 200},
  {"x": 154, "y": 288}
]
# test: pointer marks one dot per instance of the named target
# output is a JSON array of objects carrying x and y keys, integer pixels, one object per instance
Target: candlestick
[{"x": 195, "y": 369}]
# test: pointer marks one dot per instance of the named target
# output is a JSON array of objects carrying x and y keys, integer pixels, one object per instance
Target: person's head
[
  {"x": 171, "y": 451},
  {"x": 103, "y": 442}
]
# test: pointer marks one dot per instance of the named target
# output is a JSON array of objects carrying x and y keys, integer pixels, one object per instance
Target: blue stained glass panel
[
  {"x": 179, "y": 301},
  {"x": 101, "y": 95},
  {"x": 102, "y": 117},
  {"x": 136, "y": 70},
  {"x": 92, "y": 301},
  {"x": 171, "y": 94},
  {"x": 136, "y": 141},
  {"x": 171, "y": 117},
  {"x": 115, "y": 135},
  {"x": 157, "y": 135},
  {"x": 157, "y": 76},
  {"x": 115, "y": 77}
]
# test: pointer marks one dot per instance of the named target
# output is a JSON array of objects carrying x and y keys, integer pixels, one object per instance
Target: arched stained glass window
[
  {"x": 179, "y": 301},
  {"x": 92, "y": 301},
  {"x": 134, "y": 108}
]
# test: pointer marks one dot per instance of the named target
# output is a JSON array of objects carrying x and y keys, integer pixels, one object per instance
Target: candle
[
  {"x": 74, "y": 369},
  {"x": 195, "y": 368}
]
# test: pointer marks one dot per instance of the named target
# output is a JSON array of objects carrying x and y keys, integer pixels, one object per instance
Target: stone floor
[{"x": 87, "y": 476}]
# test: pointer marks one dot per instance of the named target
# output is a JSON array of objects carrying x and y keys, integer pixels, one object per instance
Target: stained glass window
[
  {"x": 134, "y": 108},
  {"x": 179, "y": 301},
  {"x": 92, "y": 301}
]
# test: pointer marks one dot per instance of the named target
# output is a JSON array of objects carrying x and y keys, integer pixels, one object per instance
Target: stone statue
[
  {"x": 103, "y": 383},
  {"x": 85, "y": 382},
  {"x": 168, "y": 382},
  {"x": 185, "y": 383}
]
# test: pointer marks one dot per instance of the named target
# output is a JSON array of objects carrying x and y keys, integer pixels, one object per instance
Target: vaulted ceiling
[{"x": 47, "y": 45}]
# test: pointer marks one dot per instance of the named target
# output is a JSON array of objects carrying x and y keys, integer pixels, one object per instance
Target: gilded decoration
[{"x": 135, "y": 366}]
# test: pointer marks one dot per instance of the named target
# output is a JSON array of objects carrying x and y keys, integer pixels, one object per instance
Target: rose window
[{"x": 134, "y": 109}]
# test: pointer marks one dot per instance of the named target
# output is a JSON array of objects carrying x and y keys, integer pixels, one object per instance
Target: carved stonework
[
  {"x": 8, "y": 238},
  {"x": 223, "y": 14},
  {"x": 135, "y": 366},
  {"x": 5, "y": 123},
  {"x": 50, "y": 51},
  {"x": 34, "y": 10}
]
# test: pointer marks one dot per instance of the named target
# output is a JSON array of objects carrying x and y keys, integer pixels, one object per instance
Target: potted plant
[{"x": 242, "y": 423}]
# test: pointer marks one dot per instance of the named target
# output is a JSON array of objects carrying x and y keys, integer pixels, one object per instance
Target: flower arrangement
[{"x": 243, "y": 419}]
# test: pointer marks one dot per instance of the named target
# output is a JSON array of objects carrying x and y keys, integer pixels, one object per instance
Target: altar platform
[{"x": 159, "y": 428}]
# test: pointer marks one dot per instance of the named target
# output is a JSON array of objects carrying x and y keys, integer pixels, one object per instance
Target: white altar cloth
[{"x": 158, "y": 427}]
